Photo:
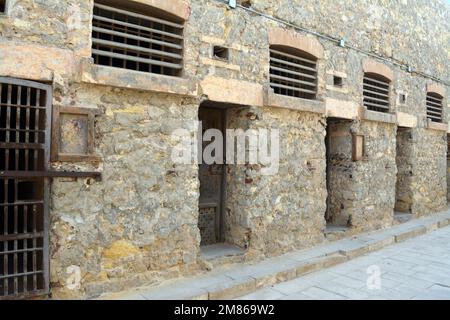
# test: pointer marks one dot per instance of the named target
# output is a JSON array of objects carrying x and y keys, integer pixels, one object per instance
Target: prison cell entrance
[
  {"x": 24, "y": 154},
  {"x": 404, "y": 154},
  {"x": 339, "y": 174},
  {"x": 212, "y": 181}
]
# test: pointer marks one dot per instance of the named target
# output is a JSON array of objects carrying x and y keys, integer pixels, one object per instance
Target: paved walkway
[{"x": 418, "y": 268}]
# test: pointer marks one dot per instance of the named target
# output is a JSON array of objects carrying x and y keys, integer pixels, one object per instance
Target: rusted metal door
[
  {"x": 212, "y": 181},
  {"x": 25, "y": 124}
]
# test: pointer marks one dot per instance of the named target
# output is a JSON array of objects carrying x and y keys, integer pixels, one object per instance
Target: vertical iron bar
[
  {"x": 16, "y": 222},
  {"x": 34, "y": 214},
  {"x": 5, "y": 243},
  {"x": 25, "y": 246}
]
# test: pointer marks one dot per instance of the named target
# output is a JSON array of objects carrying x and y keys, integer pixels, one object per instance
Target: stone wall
[
  {"x": 271, "y": 214},
  {"x": 139, "y": 223},
  {"x": 430, "y": 164},
  {"x": 375, "y": 177}
]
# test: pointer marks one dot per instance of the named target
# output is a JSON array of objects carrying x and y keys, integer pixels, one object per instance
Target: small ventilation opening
[
  {"x": 434, "y": 107},
  {"x": 402, "y": 98},
  {"x": 293, "y": 72},
  {"x": 2, "y": 6},
  {"x": 338, "y": 81},
  {"x": 376, "y": 89},
  {"x": 221, "y": 53}
]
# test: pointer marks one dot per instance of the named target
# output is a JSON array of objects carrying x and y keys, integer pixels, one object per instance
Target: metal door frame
[{"x": 46, "y": 182}]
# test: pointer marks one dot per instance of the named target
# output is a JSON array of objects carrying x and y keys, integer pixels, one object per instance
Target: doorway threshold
[
  {"x": 335, "y": 232},
  {"x": 220, "y": 254},
  {"x": 402, "y": 217}
]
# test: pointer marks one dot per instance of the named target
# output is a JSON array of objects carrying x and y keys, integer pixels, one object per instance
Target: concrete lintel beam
[{"x": 406, "y": 120}]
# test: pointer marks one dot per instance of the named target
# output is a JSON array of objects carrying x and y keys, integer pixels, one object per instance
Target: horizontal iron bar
[
  {"x": 295, "y": 65},
  {"x": 22, "y": 106},
  {"x": 136, "y": 59},
  {"x": 429, "y": 103},
  {"x": 130, "y": 36},
  {"x": 14, "y": 275},
  {"x": 21, "y": 203},
  {"x": 140, "y": 16},
  {"x": 276, "y": 85},
  {"x": 376, "y": 105},
  {"x": 366, "y": 97},
  {"x": 293, "y": 72},
  {"x": 136, "y": 26},
  {"x": 22, "y": 250},
  {"x": 434, "y": 99},
  {"x": 137, "y": 48},
  {"x": 366, "y": 85},
  {"x": 311, "y": 84},
  {"x": 21, "y": 236},
  {"x": 386, "y": 84},
  {"x": 292, "y": 56},
  {"x": 15, "y": 145},
  {"x": 49, "y": 174}
]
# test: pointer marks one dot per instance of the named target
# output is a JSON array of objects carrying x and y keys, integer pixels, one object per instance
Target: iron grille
[
  {"x": 24, "y": 139},
  {"x": 434, "y": 107},
  {"x": 129, "y": 40},
  {"x": 293, "y": 75},
  {"x": 376, "y": 93}
]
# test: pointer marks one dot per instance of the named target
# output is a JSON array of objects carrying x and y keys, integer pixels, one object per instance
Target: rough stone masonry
[{"x": 138, "y": 224}]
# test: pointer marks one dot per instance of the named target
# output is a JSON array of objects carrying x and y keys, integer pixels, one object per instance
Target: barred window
[
  {"x": 434, "y": 107},
  {"x": 376, "y": 92},
  {"x": 148, "y": 41},
  {"x": 293, "y": 72}
]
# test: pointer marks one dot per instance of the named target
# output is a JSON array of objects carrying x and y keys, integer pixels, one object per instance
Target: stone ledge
[
  {"x": 437, "y": 126},
  {"x": 369, "y": 115},
  {"x": 129, "y": 79},
  {"x": 272, "y": 99},
  {"x": 234, "y": 281}
]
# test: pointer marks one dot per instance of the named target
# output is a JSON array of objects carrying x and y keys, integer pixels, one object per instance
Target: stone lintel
[
  {"x": 370, "y": 115},
  {"x": 406, "y": 120},
  {"x": 437, "y": 126},
  {"x": 130, "y": 79},
  {"x": 35, "y": 62},
  {"x": 436, "y": 88},
  {"x": 290, "y": 38},
  {"x": 373, "y": 66},
  {"x": 272, "y": 99},
  {"x": 342, "y": 109},
  {"x": 178, "y": 8},
  {"x": 232, "y": 91}
]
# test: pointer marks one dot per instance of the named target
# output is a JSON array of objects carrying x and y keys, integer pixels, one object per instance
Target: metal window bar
[
  {"x": 139, "y": 42},
  {"x": 376, "y": 94},
  {"x": 293, "y": 75},
  {"x": 24, "y": 149},
  {"x": 434, "y": 107}
]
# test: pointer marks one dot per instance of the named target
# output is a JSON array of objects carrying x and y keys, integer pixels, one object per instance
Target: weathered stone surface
[{"x": 138, "y": 225}]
